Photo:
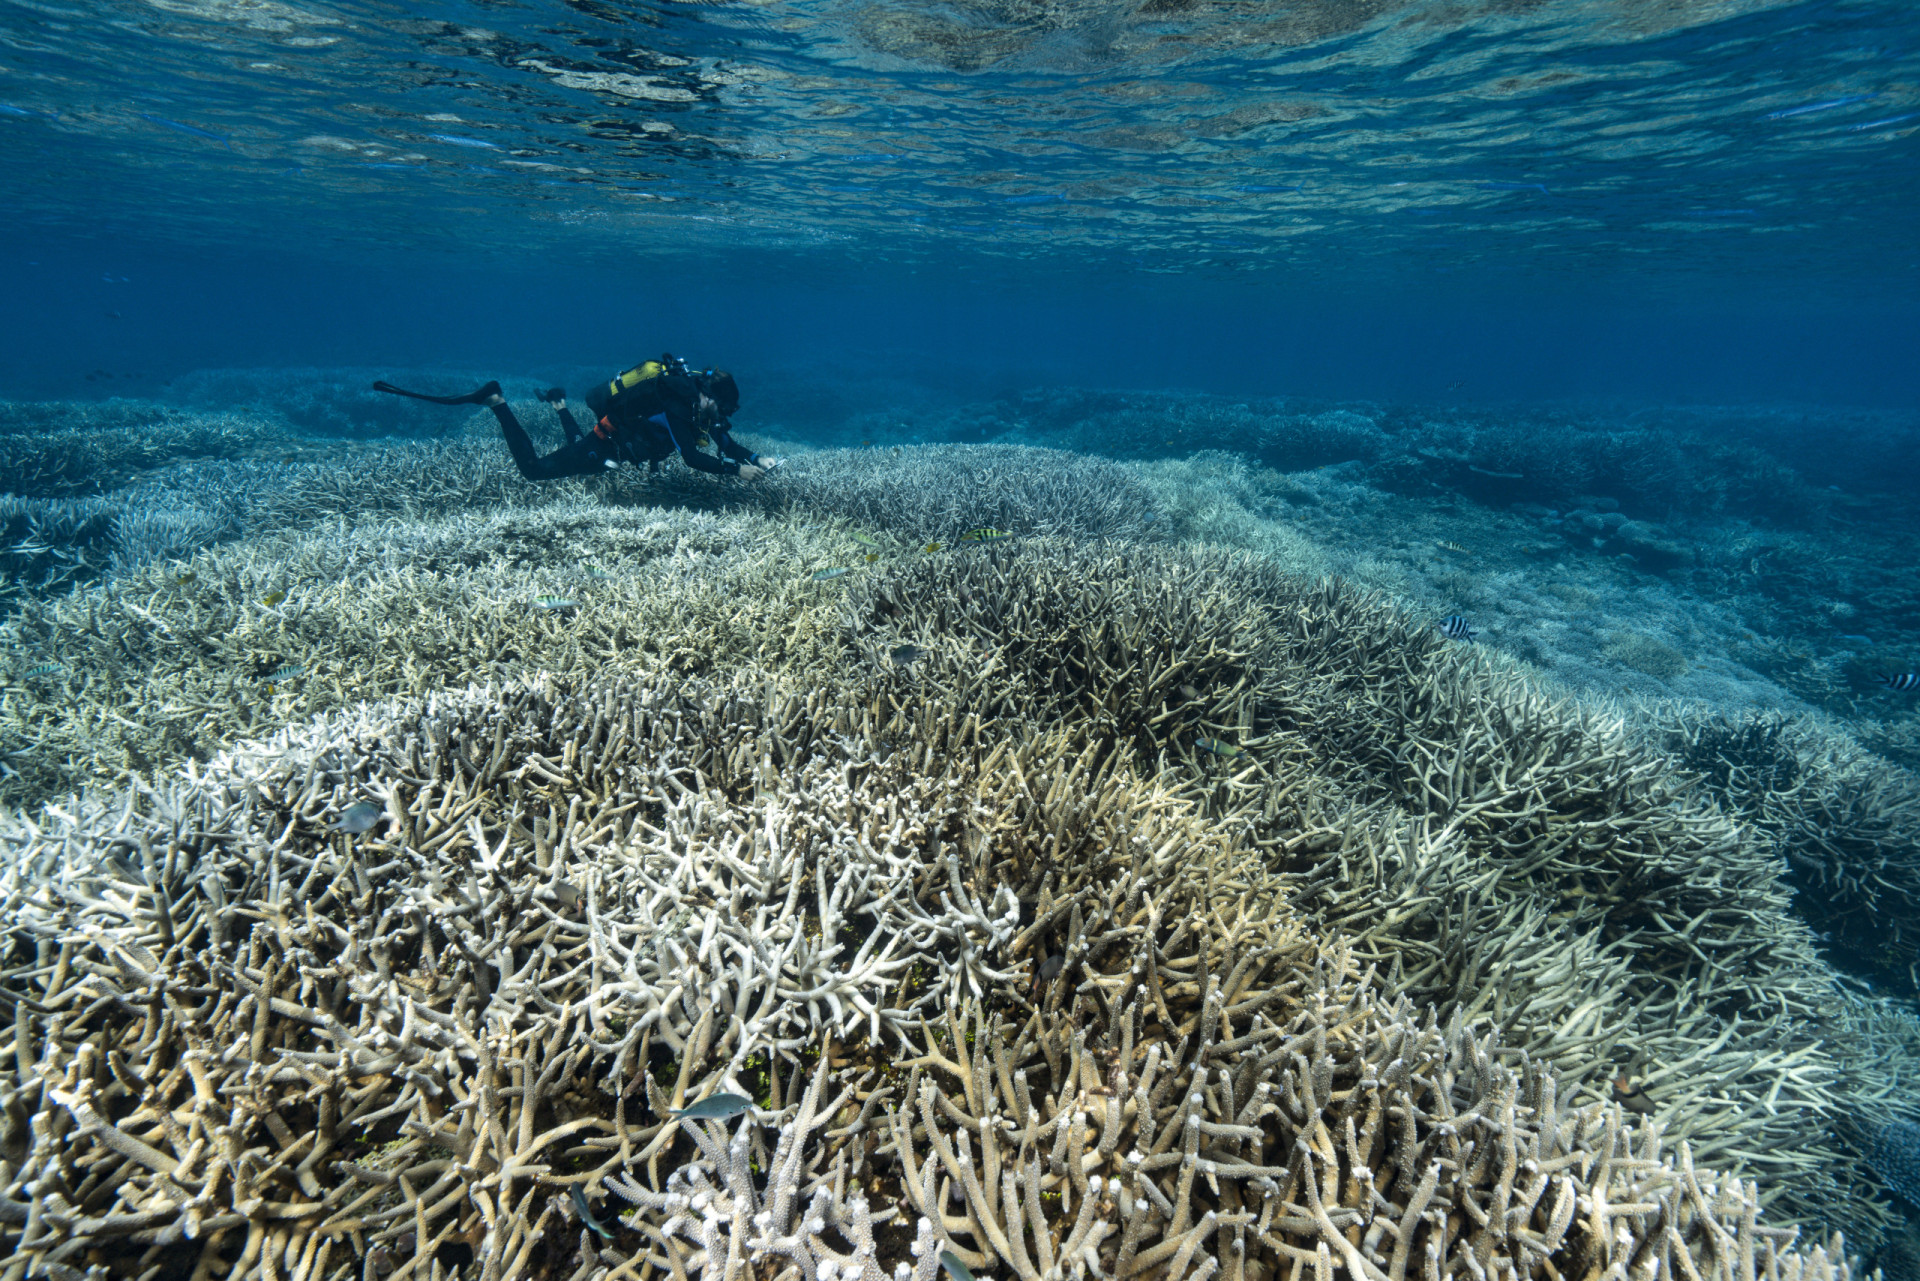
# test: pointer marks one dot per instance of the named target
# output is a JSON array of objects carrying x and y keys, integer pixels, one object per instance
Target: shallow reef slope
[{"x": 1091, "y": 901}]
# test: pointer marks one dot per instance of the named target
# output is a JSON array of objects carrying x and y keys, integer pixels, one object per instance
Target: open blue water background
[{"x": 1643, "y": 199}]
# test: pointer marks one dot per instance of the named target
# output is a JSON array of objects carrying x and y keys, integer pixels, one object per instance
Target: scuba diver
[{"x": 645, "y": 414}]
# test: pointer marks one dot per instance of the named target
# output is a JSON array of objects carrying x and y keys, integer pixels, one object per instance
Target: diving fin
[{"x": 479, "y": 397}]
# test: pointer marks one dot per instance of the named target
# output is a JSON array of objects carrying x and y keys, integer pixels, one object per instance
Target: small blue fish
[
  {"x": 177, "y": 127},
  {"x": 361, "y": 816},
  {"x": 552, "y": 602},
  {"x": 1457, "y": 628},
  {"x": 1812, "y": 107},
  {"x": 715, "y": 1107},
  {"x": 45, "y": 669},
  {"x": 586, "y": 1214},
  {"x": 1903, "y": 682},
  {"x": 594, "y": 571},
  {"x": 459, "y": 141},
  {"x": 286, "y": 673},
  {"x": 827, "y": 575},
  {"x": 1218, "y": 748},
  {"x": 956, "y": 1269},
  {"x": 1881, "y": 124},
  {"x": 904, "y": 653}
]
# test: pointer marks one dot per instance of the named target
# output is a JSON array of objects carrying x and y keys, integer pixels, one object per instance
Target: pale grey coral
[
  {"x": 164, "y": 533},
  {"x": 923, "y": 493},
  {"x": 1207, "y": 1086},
  {"x": 45, "y": 543},
  {"x": 1894, "y": 1153}
]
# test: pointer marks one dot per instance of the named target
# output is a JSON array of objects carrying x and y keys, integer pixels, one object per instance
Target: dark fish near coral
[
  {"x": 1457, "y": 628},
  {"x": 827, "y": 575},
  {"x": 568, "y": 893},
  {"x": 272, "y": 598},
  {"x": 1218, "y": 748},
  {"x": 1051, "y": 967},
  {"x": 184, "y": 577},
  {"x": 1903, "y": 682},
  {"x": 553, "y": 602},
  {"x": 1190, "y": 691},
  {"x": 1632, "y": 1097},
  {"x": 984, "y": 535},
  {"x": 715, "y": 1107},
  {"x": 586, "y": 1214},
  {"x": 904, "y": 653},
  {"x": 956, "y": 1269},
  {"x": 359, "y": 817}
]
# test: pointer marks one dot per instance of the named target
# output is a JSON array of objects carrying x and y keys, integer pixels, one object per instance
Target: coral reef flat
[{"x": 396, "y": 850}]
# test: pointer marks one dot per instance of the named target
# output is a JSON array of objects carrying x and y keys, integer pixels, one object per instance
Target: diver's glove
[{"x": 554, "y": 395}]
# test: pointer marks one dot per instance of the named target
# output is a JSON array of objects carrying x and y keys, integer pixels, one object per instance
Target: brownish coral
[{"x": 250, "y": 1043}]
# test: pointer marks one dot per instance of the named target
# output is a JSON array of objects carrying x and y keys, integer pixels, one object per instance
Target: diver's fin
[{"x": 471, "y": 398}]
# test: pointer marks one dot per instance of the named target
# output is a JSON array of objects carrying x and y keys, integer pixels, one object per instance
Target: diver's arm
[
  {"x": 685, "y": 435},
  {"x": 729, "y": 447}
]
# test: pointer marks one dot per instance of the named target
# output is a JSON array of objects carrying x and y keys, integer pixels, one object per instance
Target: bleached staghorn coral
[
  {"x": 256, "y": 1043},
  {"x": 938, "y": 492},
  {"x": 1101, "y": 646},
  {"x": 162, "y": 670},
  {"x": 1301, "y": 1120},
  {"x": 220, "y": 941},
  {"x": 1490, "y": 846},
  {"x": 1847, "y": 822}
]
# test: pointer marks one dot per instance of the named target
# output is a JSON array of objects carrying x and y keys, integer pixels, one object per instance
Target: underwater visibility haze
[{"x": 848, "y": 640}]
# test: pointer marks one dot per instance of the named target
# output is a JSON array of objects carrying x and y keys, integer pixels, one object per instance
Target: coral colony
[{"x": 1054, "y": 893}]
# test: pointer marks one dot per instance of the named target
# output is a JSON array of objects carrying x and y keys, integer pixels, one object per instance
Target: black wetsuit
[{"x": 650, "y": 423}]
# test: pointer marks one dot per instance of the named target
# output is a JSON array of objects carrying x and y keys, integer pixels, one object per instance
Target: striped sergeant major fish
[
  {"x": 1455, "y": 627},
  {"x": 1903, "y": 682}
]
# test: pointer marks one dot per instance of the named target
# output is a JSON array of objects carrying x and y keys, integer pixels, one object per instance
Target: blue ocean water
[{"x": 1700, "y": 199}]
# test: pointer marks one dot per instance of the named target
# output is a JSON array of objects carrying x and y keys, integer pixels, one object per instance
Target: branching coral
[
  {"x": 174, "y": 661},
  {"x": 247, "y": 1041},
  {"x": 1488, "y": 846},
  {"x": 1103, "y": 782},
  {"x": 1846, "y": 821},
  {"x": 50, "y": 451},
  {"x": 938, "y": 493}
]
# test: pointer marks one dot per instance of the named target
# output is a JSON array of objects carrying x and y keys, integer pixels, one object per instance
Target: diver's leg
[
  {"x": 585, "y": 456},
  {"x": 517, "y": 443}
]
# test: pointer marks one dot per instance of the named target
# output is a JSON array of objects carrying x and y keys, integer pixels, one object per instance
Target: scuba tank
[{"x": 604, "y": 400}]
